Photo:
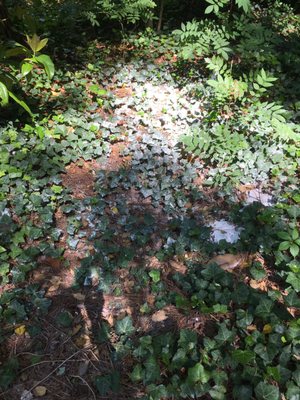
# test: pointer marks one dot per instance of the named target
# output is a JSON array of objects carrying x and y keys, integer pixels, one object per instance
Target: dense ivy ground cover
[{"x": 192, "y": 144}]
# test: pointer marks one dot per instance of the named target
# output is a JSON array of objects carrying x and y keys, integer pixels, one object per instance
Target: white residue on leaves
[
  {"x": 224, "y": 230},
  {"x": 256, "y": 195}
]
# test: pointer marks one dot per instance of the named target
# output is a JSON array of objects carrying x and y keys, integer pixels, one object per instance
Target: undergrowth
[{"x": 199, "y": 120}]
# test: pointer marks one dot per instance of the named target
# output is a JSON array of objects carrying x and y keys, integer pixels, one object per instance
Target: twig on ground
[
  {"x": 47, "y": 362},
  {"x": 55, "y": 369}
]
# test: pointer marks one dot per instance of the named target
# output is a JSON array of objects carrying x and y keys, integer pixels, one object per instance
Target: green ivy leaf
[
  {"x": 125, "y": 326},
  {"x": 103, "y": 384},
  {"x": 265, "y": 391},
  {"x": 152, "y": 370},
  {"x": 57, "y": 189},
  {"x": 243, "y": 356},
  {"x": 294, "y": 280},
  {"x": 242, "y": 392},
  {"x": 187, "y": 339},
  {"x": 258, "y": 272},
  {"x": 137, "y": 375},
  {"x": 198, "y": 374},
  {"x": 155, "y": 275},
  {"x": 292, "y": 299},
  {"x": 264, "y": 308},
  {"x": 64, "y": 319},
  {"x": 224, "y": 335}
]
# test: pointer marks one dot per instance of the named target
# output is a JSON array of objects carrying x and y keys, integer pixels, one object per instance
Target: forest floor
[{"x": 134, "y": 225}]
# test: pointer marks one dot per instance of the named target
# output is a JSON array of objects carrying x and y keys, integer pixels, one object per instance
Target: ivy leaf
[
  {"x": 264, "y": 391},
  {"x": 218, "y": 392},
  {"x": 292, "y": 299},
  {"x": 294, "y": 280},
  {"x": 188, "y": 339},
  {"x": 243, "y": 356},
  {"x": 57, "y": 189},
  {"x": 242, "y": 392},
  {"x": 198, "y": 374},
  {"x": 155, "y": 275},
  {"x": 103, "y": 384},
  {"x": 224, "y": 334},
  {"x": 4, "y": 270},
  {"x": 125, "y": 326},
  {"x": 64, "y": 319},
  {"x": 264, "y": 308},
  {"x": 137, "y": 375},
  {"x": 179, "y": 360},
  {"x": 157, "y": 392},
  {"x": 152, "y": 370},
  {"x": 257, "y": 272}
]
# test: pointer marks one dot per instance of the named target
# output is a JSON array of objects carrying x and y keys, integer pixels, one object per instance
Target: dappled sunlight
[{"x": 149, "y": 203}]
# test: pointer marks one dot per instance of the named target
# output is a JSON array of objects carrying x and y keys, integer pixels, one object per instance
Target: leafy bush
[
  {"x": 32, "y": 58},
  {"x": 202, "y": 38}
]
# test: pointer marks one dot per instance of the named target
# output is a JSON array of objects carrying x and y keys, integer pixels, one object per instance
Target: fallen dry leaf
[
  {"x": 159, "y": 316},
  {"x": 83, "y": 341},
  {"x": 110, "y": 320},
  {"x": 150, "y": 298},
  {"x": 258, "y": 285},
  {"x": 52, "y": 289},
  {"x": 251, "y": 328},
  {"x": 40, "y": 391},
  {"x": 128, "y": 285},
  {"x": 245, "y": 188},
  {"x": 178, "y": 267},
  {"x": 76, "y": 329},
  {"x": 229, "y": 262}
]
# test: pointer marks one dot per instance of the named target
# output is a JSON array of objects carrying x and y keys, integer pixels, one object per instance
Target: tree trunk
[
  {"x": 5, "y": 23},
  {"x": 161, "y": 13}
]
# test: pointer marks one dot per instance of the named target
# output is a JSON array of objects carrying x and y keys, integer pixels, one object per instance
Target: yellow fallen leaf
[
  {"x": 40, "y": 391},
  {"x": 114, "y": 210},
  {"x": 267, "y": 329},
  {"x": 20, "y": 330},
  {"x": 55, "y": 94},
  {"x": 83, "y": 341}
]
